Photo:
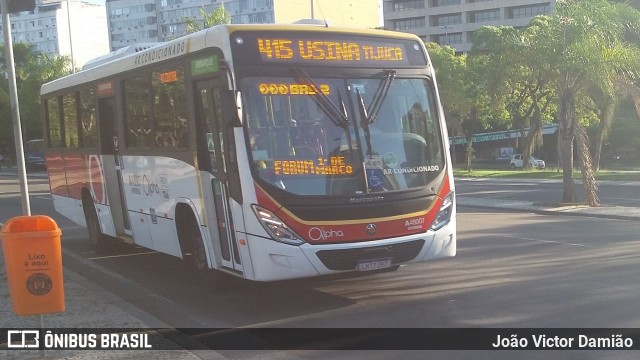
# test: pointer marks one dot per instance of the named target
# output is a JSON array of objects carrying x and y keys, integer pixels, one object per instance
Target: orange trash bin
[{"x": 33, "y": 260}]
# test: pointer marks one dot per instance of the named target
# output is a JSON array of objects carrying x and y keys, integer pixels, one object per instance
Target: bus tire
[{"x": 96, "y": 237}]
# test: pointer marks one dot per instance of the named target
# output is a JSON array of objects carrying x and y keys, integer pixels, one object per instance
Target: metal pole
[
  {"x": 73, "y": 63},
  {"x": 312, "y": 12},
  {"x": 15, "y": 108}
]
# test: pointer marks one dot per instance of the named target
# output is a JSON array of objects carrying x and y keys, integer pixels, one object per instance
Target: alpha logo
[
  {"x": 371, "y": 229},
  {"x": 317, "y": 233},
  {"x": 23, "y": 339}
]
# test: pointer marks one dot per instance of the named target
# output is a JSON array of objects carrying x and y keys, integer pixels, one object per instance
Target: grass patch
[{"x": 620, "y": 175}]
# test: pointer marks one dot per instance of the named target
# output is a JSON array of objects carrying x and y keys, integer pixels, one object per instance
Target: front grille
[{"x": 347, "y": 259}]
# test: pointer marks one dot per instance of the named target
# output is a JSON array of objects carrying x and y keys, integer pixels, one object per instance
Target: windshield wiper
[
  {"x": 337, "y": 115},
  {"x": 364, "y": 122},
  {"x": 380, "y": 95}
]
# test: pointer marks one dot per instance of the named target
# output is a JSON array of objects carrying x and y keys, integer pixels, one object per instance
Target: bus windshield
[{"x": 342, "y": 136}]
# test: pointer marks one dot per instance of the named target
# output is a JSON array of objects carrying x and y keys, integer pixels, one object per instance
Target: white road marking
[{"x": 545, "y": 241}]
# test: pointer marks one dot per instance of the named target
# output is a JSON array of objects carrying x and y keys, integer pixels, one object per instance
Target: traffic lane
[
  {"x": 544, "y": 191},
  {"x": 518, "y": 190},
  {"x": 504, "y": 277},
  {"x": 160, "y": 284},
  {"x": 39, "y": 198},
  {"x": 512, "y": 270}
]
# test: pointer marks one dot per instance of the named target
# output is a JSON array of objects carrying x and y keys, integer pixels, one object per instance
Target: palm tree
[{"x": 583, "y": 46}]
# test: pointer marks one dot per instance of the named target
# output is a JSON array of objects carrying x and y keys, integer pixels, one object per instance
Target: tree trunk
[
  {"x": 534, "y": 136},
  {"x": 567, "y": 119},
  {"x": 588, "y": 179},
  {"x": 606, "y": 118},
  {"x": 469, "y": 153},
  {"x": 598, "y": 147}
]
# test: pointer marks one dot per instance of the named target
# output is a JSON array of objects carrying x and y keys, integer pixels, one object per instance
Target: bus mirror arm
[
  {"x": 230, "y": 109},
  {"x": 231, "y": 80}
]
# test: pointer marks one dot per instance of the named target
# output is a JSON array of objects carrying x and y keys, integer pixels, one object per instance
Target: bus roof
[{"x": 219, "y": 35}]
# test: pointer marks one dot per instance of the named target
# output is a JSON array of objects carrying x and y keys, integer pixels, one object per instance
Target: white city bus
[{"x": 264, "y": 151}]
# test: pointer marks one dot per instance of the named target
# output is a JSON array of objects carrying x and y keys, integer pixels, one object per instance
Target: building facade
[
  {"x": 72, "y": 28},
  {"x": 453, "y": 22},
  {"x": 147, "y": 21}
]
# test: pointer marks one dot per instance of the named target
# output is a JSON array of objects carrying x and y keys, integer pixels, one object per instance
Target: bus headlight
[
  {"x": 275, "y": 227},
  {"x": 444, "y": 214}
]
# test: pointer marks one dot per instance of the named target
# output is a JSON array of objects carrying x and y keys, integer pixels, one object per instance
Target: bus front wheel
[{"x": 197, "y": 258}]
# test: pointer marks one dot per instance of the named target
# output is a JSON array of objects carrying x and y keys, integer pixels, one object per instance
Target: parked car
[
  {"x": 34, "y": 155},
  {"x": 517, "y": 159}
]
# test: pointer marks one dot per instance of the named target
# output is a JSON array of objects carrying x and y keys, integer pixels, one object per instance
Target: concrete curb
[{"x": 606, "y": 212}]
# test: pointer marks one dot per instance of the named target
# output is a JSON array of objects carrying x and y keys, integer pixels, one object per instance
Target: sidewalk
[{"x": 87, "y": 306}]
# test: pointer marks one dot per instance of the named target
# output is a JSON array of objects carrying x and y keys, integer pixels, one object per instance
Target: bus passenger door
[
  {"x": 213, "y": 134},
  {"x": 109, "y": 146}
]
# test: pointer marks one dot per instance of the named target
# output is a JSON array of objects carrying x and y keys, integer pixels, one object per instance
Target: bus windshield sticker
[
  {"x": 373, "y": 162},
  {"x": 390, "y": 160},
  {"x": 335, "y": 165},
  {"x": 360, "y": 88},
  {"x": 291, "y": 89}
]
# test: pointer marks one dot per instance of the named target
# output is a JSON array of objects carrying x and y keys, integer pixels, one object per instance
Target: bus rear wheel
[{"x": 96, "y": 237}]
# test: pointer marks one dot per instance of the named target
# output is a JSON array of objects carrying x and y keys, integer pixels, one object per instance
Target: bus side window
[
  {"x": 54, "y": 127},
  {"x": 137, "y": 112},
  {"x": 70, "y": 120},
  {"x": 170, "y": 110},
  {"x": 88, "y": 126}
]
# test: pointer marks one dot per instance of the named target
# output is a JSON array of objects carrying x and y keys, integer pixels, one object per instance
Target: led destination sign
[
  {"x": 326, "y": 49},
  {"x": 287, "y": 49}
]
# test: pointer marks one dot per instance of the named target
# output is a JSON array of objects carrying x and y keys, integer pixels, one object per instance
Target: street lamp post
[
  {"x": 73, "y": 63},
  {"x": 6, "y": 7}
]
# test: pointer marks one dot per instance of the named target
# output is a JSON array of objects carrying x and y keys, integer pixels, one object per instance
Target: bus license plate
[{"x": 376, "y": 264}]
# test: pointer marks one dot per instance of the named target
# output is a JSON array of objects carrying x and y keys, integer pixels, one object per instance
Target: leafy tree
[
  {"x": 219, "y": 16},
  {"x": 467, "y": 108},
  {"x": 32, "y": 69},
  {"x": 515, "y": 79},
  {"x": 605, "y": 104}
]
